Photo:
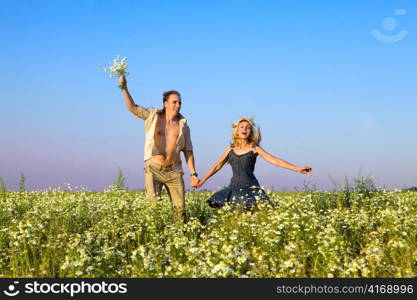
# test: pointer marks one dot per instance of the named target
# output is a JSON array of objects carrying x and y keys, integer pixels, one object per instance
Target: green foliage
[
  {"x": 22, "y": 182},
  {"x": 119, "y": 183},
  {"x": 3, "y": 188},
  {"x": 365, "y": 186},
  {"x": 58, "y": 233}
]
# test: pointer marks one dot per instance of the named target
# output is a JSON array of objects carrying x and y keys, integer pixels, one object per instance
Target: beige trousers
[{"x": 157, "y": 176}]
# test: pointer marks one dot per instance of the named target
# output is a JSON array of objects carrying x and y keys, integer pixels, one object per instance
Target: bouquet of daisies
[{"x": 118, "y": 68}]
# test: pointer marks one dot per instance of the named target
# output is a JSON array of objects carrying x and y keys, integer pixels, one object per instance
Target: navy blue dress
[{"x": 244, "y": 188}]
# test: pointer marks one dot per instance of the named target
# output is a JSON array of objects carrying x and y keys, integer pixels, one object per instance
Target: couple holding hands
[{"x": 167, "y": 134}]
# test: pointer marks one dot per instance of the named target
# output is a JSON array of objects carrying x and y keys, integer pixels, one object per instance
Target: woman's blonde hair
[{"x": 255, "y": 136}]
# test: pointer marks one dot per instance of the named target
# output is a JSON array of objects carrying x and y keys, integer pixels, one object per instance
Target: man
[{"x": 167, "y": 134}]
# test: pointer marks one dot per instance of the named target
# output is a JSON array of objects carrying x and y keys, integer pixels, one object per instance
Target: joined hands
[{"x": 195, "y": 182}]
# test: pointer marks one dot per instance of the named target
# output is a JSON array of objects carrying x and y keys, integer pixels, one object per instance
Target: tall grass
[{"x": 355, "y": 232}]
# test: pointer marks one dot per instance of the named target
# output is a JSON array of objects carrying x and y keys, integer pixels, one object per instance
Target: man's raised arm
[{"x": 137, "y": 110}]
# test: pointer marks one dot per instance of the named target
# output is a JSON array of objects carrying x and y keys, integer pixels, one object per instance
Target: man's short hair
[{"x": 165, "y": 95}]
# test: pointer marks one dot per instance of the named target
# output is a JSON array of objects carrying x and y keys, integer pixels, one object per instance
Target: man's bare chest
[{"x": 167, "y": 129}]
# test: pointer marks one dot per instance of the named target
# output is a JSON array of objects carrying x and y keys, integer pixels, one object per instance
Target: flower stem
[{"x": 122, "y": 86}]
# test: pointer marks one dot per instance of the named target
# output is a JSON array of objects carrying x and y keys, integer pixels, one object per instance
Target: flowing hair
[{"x": 255, "y": 136}]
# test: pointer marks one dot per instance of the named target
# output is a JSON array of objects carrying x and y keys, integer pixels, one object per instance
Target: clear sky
[{"x": 326, "y": 91}]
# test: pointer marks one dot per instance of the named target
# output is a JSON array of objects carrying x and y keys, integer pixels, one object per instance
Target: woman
[{"x": 244, "y": 188}]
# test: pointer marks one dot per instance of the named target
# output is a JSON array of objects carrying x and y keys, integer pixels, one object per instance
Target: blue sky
[{"x": 325, "y": 92}]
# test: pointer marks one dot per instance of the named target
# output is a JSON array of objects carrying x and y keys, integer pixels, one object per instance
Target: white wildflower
[{"x": 118, "y": 68}]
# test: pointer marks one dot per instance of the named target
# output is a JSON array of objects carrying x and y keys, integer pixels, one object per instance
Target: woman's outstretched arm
[
  {"x": 280, "y": 162},
  {"x": 216, "y": 167}
]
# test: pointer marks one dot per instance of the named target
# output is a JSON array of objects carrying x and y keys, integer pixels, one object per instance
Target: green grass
[{"x": 349, "y": 233}]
